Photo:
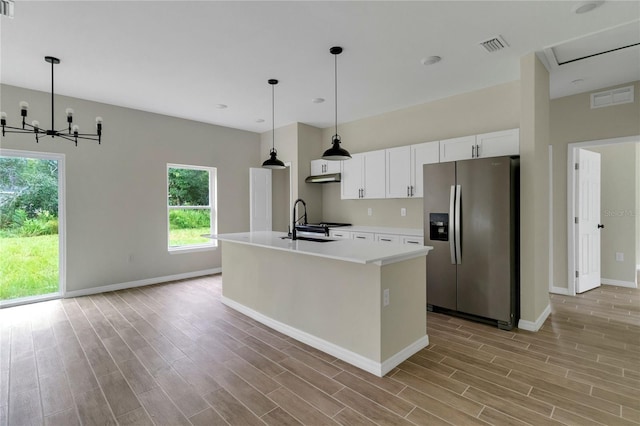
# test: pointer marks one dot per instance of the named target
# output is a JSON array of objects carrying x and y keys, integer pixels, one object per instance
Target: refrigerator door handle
[
  {"x": 457, "y": 225},
  {"x": 452, "y": 248}
]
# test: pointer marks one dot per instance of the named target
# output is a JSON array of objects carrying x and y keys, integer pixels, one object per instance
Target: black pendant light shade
[
  {"x": 273, "y": 162},
  {"x": 336, "y": 153}
]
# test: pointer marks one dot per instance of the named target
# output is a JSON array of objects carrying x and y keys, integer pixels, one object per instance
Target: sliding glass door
[{"x": 31, "y": 226}]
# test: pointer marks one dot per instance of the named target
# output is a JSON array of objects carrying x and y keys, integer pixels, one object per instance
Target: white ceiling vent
[
  {"x": 494, "y": 44},
  {"x": 622, "y": 95}
]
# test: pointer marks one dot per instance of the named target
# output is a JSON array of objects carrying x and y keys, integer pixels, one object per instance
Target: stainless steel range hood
[{"x": 328, "y": 178}]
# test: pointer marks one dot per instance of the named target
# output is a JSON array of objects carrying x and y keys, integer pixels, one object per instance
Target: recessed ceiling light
[
  {"x": 222, "y": 106},
  {"x": 587, "y": 6},
  {"x": 317, "y": 100},
  {"x": 260, "y": 120},
  {"x": 430, "y": 60}
]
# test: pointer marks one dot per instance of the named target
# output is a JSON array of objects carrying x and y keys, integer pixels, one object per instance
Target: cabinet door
[
  {"x": 374, "y": 174},
  {"x": 413, "y": 240},
  {"x": 344, "y": 235},
  {"x": 387, "y": 238},
  {"x": 317, "y": 167},
  {"x": 365, "y": 236},
  {"x": 421, "y": 154},
  {"x": 351, "y": 181},
  {"x": 398, "y": 172},
  {"x": 495, "y": 144},
  {"x": 332, "y": 166},
  {"x": 457, "y": 149}
]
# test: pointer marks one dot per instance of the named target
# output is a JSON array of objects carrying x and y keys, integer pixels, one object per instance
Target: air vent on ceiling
[
  {"x": 6, "y": 8},
  {"x": 494, "y": 44}
]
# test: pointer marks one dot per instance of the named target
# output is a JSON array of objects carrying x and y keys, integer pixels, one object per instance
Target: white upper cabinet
[
  {"x": 364, "y": 176},
  {"x": 351, "y": 181},
  {"x": 374, "y": 174},
  {"x": 404, "y": 168},
  {"x": 323, "y": 167},
  {"x": 494, "y": 144},
  {"x": 457, "y": 149},
  {"x": 398, "y": 172},
  {"x": 421, "y": 154}
]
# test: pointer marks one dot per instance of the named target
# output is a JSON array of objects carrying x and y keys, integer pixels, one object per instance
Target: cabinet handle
[
  {"x": 361, "y": 238},
  {"x": 412, "y": 190},
  {"x": 477, "y": 151},
  {"x": 473, "y": 151},
  {"x": 407, "y": 191},
  {"x": 385, "y": 239}
]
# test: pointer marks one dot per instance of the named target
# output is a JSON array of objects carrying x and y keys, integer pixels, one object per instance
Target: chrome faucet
[{"x": 304, "y": 217}]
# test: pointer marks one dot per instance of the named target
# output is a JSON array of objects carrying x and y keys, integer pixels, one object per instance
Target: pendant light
[
  {"x": 336, "y": 153},
  {"x": 273, "y": 162}
]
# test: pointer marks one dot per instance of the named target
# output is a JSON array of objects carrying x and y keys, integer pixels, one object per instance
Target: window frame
[{"x": 213, "y": 212}]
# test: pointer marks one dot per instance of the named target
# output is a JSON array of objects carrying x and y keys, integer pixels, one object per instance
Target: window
[{"x": 191, "y": 206}]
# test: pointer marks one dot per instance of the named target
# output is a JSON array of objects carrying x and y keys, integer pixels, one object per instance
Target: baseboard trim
[
  {"x": 140, "y": 283},
  {"x": 364, "y": 363},
  {"x": 537, "y": 324},
  {"x": 618, "y": 283},
  {"x": 559, "y": 290}
]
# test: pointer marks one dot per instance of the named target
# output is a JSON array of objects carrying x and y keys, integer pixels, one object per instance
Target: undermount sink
[{"x": 315, "y": 240}]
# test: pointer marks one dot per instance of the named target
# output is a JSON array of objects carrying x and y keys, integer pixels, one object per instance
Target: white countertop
[{"x": 356, "y": 251}]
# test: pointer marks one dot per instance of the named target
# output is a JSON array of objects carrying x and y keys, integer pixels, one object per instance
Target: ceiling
[{"x": 183, "y": 58}]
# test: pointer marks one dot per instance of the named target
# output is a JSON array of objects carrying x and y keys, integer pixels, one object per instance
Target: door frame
[
  {"x": 62, "y": 225},
  {"x": 571, "y": 198}
]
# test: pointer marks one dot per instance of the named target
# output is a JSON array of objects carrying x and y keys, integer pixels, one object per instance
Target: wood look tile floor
[{"x": 173, "y": 354}]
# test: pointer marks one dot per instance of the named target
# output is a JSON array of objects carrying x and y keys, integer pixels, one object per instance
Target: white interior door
[
  {"x": 588, "y": 220},
  {"x": 260, "y": 204}
]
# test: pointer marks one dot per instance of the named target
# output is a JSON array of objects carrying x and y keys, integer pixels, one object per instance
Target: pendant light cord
[
  {"x": 273, "y": 119},
  {"x": 335, "y": 56}
]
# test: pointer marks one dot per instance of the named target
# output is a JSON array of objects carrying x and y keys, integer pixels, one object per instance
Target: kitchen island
[{"x": 362, "y": 302}]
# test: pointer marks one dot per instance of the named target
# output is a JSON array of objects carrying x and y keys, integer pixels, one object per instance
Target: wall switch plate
[
  {"x": 403, "y": 211},
  {"x": 370, "y": 211},
  {"x": 619, "y": 257},
  {"x": 385, "y": 297}
]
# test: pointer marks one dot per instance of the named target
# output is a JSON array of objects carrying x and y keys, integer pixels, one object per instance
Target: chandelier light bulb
[
  {"x": 24, "y": 105},
  {"x": 36, "y": 124},
  {"x": 3, "y": 115},
  {"x": 75, "y": 128},
  {"x": 69, "y": 112},
  {"x": 98, "y": 120}
]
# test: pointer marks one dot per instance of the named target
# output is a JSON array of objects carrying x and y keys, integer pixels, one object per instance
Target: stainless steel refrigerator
[{"x": 471, "y": 218}]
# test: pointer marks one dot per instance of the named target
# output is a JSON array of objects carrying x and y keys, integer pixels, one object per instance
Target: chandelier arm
[{"x": 18, "y": 130}]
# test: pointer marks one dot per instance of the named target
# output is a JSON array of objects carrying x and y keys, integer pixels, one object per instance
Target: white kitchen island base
[{"x": 333, "y": 305}]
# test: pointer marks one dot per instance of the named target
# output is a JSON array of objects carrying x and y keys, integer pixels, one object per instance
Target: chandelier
[{"x": 71, "y": 133}]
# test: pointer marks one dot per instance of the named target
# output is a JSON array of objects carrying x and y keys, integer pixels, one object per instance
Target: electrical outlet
[
  {"x": 403, "y": 211},
  {"x": 385, "y": 297},
  {"x": 619, "y": 257},
  {"x": 370, "y": 211}
]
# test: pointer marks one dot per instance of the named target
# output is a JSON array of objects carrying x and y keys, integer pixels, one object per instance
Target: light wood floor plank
[{"x": 174, "y": 354}]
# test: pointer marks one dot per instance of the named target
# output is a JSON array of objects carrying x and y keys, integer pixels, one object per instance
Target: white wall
[{"x": 116, "y": 192}]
